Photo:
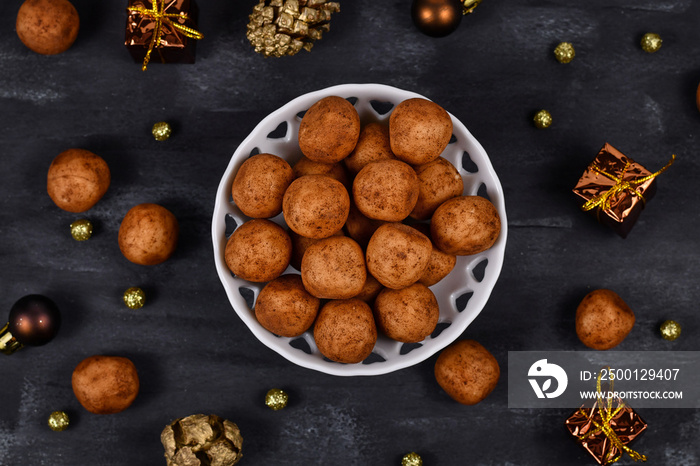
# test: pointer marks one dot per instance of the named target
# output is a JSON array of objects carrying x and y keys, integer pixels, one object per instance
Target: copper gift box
[
  {"x": 626, "y": 424},
  {"x": 173, "y": 46},
  {"x": 609, "y": 168}
]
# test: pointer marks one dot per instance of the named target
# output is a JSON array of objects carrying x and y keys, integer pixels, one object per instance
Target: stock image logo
[{"x": 542, "y": 370}]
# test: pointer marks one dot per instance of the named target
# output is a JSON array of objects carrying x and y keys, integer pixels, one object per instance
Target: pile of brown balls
[{"x": 374, "y": 218}]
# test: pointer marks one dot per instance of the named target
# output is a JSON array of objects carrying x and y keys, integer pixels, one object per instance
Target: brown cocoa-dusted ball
[
  {"x": 419, "y": 130},
  {"x": 386, "y": 190},
  {"x": 105, "y": 384},
  {"x": 285, "y": 308},
  {"x": 345, "y": 331},
  {"x": 316, "y": 206},
  {"x": 77, "y": 179},
  {"x": 148, "y": 234},
  {"x": 397, "y": 255},
  {"x": 334, "y": 268},
  {"x": 329, "y": 130},
  {"x": 47, "y": 27},
  {"x": 440, "y": 263},
  {"x": 258, "y": 251},
  {"x": 299, "y": 245},
  {"x": 306, "y": 166},
  {"x": 259, "y": 185},
  {"x": 467, "y": 371},
  {"x": 360, "y": 227},
  {"x": 603, "y": 320},
  {"x": 407, "y": 315},
  {"x": 438, "y": 181},
  {"x": 465, "y": 225},
  {"x": 372, "y": 146},
  {"x": 370, "y": 290}
]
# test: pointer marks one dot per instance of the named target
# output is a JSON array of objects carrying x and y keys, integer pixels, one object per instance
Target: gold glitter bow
[
  {"x": 157, "y": 13},
  {"x": 603, "y": 200},
  {"x": 607, "y": 414}
]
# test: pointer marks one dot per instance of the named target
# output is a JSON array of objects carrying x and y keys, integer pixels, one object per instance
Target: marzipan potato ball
[
  {"x": 397, "y": 255},
  {"x": 285, "y": 308},
  {"x": 467, "y": 371},
  {"x": 148, "y": 234},
  {"x": 306, "y": 166},
  {"x": 370, "y": 290},
  {"x": 419, "y": 130},
  {"x": 329, "y": 130},
  {"x": 47, "y": 27},
  {"x": 258, "y": 251},
  {"x": 373, "y": 146},
  {"x": 334, "y": 268},
  {"x": 77, "y": 179},
  {"x": 345, "y": 331},
  {"x": 386, "y": 190},
  {"x": 259, "y": 185},
  {"x": 105, "y": 384},
  {"x": 465, "y": 225},
  {"x": 359, "y": 227},
  {"x": 299, "y": 245},
  {"x": 439, "y": 181},
  {"x": 407, "y": 315},
  {"x": 316, "y": 206},
  {"x": 440, "y": 263},
  {"x": 603, "y": 320}
]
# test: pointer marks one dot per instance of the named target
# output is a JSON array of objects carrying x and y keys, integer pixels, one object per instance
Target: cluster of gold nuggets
[{"x": 285, "y": 27}]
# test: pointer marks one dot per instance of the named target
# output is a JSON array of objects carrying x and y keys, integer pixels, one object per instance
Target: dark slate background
[{"x": 195, "y": 355}]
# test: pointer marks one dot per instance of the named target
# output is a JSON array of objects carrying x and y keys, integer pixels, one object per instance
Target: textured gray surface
[{"x": 195, "y": 355}]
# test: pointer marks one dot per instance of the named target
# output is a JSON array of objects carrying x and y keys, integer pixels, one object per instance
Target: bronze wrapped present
[
  {"x": 616, "y": 188},
  {"x": 162, "y": 28},
  {"x": 606, "y": 429}
]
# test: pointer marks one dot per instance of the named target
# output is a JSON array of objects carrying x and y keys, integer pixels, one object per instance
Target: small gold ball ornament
[
  {"x": 161, "y": 131},
  {"x": 276, "y": 399},
  {"x": 58, "y": 421},
  {"x": 543, "y": 119},
  {"x": 651, "y": 42},
  {"x": 81, "y": 230},
  {"x": 564, "y": 52},
  {"x": 670, "y": 330},
  {"x": 134, "y": 298},
  {"x": 411, "y": 459}
]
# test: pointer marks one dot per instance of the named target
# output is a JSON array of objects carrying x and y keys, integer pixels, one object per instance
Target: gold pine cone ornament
[
  {"x": 278, "y": 28},
  {"x": 201, "y": 440}
]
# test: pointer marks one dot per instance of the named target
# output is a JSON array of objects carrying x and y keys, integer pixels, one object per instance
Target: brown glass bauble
[
  {"x": 436, "y": 18},
  {"x": 34, "y": 320}
]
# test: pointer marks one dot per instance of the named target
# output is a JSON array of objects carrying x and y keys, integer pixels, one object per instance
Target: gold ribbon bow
[
  {"x": 606, "y": 415},
  {"x": 603, "y": 200},
  {"x": 157, "y": 13}
]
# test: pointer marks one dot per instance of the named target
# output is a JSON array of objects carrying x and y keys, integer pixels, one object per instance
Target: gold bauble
[
  {"x": 651, "y": 42},
  {"x": 411, "y": 459},
  {"x": 543, "y": 119},
  {"x": 58, "y": 421},
  {"x": 134, "y": 298},
  {"x": 161, "y": 131},
  {"x": 564, "y": 52},
  {"x": 670, "y": 330},
  {"x": 81, "y": 230},
  {"x": 276, "y": 399}
]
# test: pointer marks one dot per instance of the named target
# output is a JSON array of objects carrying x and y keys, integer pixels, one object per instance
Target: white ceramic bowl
[{"x": 470, "y": 280}]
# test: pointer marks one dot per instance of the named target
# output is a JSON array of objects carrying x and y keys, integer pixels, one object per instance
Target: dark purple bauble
[
  {"x": 436, "y": 18},
  {"x": 34, "y": 320}
]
